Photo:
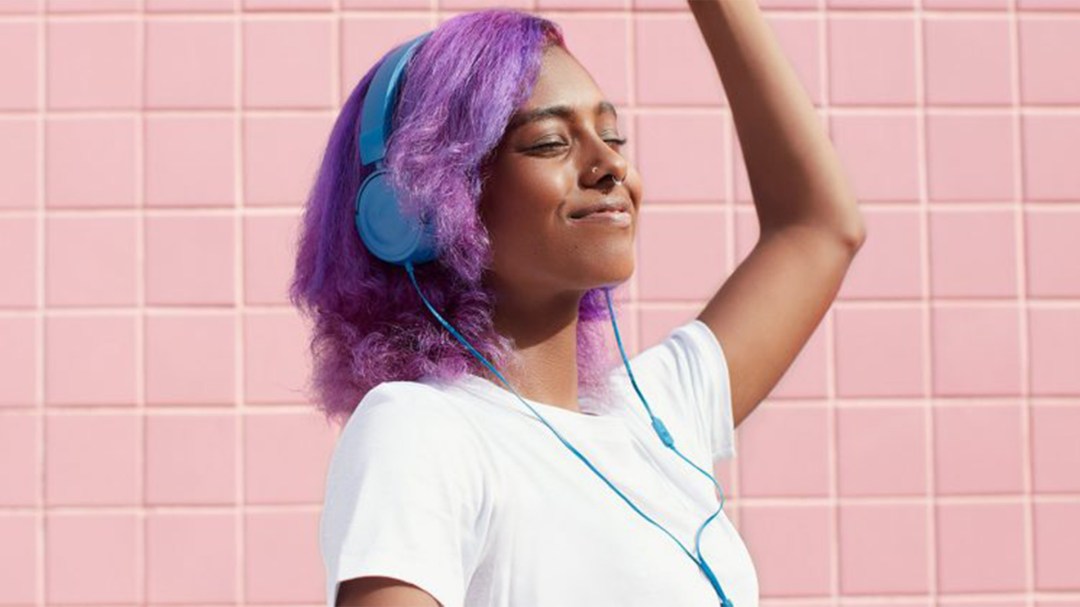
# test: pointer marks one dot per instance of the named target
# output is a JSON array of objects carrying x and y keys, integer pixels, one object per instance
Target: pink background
[{"x": 155, "y": 444}]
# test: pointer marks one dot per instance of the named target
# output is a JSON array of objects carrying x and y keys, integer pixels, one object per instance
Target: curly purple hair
[{"x": 462, "y": 85}]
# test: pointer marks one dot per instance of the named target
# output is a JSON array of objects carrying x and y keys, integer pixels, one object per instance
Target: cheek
[{"x": 529, "y": 208}]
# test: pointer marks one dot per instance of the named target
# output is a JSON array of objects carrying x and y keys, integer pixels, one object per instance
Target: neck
[{"x": 544, "y": 331}]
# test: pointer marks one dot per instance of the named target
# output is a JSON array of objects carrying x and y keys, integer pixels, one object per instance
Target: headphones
[{"x": 403, "y": 240}]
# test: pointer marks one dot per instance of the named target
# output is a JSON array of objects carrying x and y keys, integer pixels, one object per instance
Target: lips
[{"x": 607, "y": 206}]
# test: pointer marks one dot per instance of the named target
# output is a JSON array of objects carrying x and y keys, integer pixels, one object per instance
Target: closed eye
[{"x": 619, "y": 142}]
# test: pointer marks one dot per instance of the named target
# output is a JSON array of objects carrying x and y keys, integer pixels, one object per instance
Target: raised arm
[{"x": 809, "y": 222}]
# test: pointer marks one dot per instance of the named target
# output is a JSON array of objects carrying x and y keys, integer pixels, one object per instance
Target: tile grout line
[
  {"x": 832, "y": 434},
  {"x": 142, "y": 534},
  {"x": 1026, "y": 457},
  {"x": 1060, "y": 303},
  {"x": 657, "y": 207},
  {"x": 682, "y": 109},
  {"x": 239, "y": 20},
  {"x": 897, "y": 14},
  {"x": 928, "y": 404},
  {"x": 40, "y": 523}
]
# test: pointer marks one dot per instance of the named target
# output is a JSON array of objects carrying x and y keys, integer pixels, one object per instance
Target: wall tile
[
  {"x": 1057, "y": 537},
  {"x": 190, "y": 558},
  {"x": 1049, "y": 157},
  {"x": 889, "y": 265},
  {"x": 879, "y": 352},
  {"x": 20, "y": 466},
  {"x": 287, "y": 63},
  {"x": 980, "y": 548},
  {"x": 276, "y": 364},
  {"x": 968, "y": 62},
  {"x": 879, "y": 154},
  {"x": 273, "y": 475},
  {"x": 674, "y": 147},
  {"x": 90, "y": 162},
  {"x": 978, "y": 450},
  {"x": 19, "y": 65},
  {"x": 93, "y": 459},
  {"x": 975, "y": 351},
  {"x": 969, "y": 157},
  {"x": 1043, "y": 41},
  {"x": 871, "y": 61},
  {"x": 18, "y": 361},
  {"x": 783, "y": 452},
  {"x": 93, "y": 64},
  {"x": 90, "y": 360},
  {"x": 790, "y": 548},
  {"x": 600, "y": 44},
  {"x": 682, "y": 254},
  {"x": 1055, "y": 452},
  {"x": 1054, "y": 346},
  {"x": 1050, "y": 238},
  {"x": 283, "y": 557},
  {"x": 190, "y": 459},
  {"x": 90, "y": 261},
  {"x": 190, "y": 162},
  {"x": 281, "y": 157},
  {"x": 173, "y": 342},
  {"x": 269, "y": 257},
  {"x": 657, "y": 38},
  {"x": 881, "y": 451},
  {"x": 19, "y": 571},
  {"x": 873, "y": 534},
  {"x": 973, "y": 254},
  {"x": 189, "y": 260},
  {"x": 19, "y": 145},
  {"x": 91, "y": 558},
  {"x": 190, "y": 64},
  {"x": 18, "y": 262}
]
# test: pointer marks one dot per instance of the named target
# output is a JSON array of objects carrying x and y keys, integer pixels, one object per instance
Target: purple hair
[{"x": 370, "y": 326}]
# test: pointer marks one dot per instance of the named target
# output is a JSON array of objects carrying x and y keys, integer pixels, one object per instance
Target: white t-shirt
[{"x": 459, "y": 489}]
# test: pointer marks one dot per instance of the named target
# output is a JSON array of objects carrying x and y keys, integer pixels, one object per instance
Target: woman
[{"x": 448, "y": 485}]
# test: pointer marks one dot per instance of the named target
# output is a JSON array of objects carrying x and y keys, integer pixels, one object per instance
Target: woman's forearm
[{"x": 794, "y": 172}]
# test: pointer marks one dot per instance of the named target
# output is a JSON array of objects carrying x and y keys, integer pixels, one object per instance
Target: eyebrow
[{"x": 562, "y": 111}]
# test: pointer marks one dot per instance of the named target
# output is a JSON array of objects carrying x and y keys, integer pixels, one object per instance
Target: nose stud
[{"x": 617, "y": 180}]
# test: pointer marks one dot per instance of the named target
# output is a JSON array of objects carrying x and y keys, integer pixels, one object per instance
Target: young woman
[{"x": 490, "y": 454}]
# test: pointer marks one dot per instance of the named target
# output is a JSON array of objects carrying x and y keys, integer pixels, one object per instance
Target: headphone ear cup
[{"x": 385, "y": 231}]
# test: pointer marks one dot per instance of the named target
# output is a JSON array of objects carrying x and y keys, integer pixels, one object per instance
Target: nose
[
  {"x": 617, "y": 180},
  {"x": 617, "y": 168}
]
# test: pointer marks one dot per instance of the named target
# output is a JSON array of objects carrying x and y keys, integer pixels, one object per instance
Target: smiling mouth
[
  {"x": 603, "y": 208},
  {"x": 612, "y": 217},
  {"x": 600, "y": 211}
]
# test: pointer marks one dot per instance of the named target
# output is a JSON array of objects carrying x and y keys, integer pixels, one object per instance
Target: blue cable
[{"x": 658, "y": 426}]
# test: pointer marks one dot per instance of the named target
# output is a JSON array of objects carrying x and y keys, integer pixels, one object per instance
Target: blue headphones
[{"x": 398, "y": 239}]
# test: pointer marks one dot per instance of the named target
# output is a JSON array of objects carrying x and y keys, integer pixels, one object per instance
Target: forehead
[
  {"x": 562, "y": 82},
  {"x": 561, "y": 75}
]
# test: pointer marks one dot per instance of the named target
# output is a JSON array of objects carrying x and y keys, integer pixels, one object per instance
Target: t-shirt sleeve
[
  {"x": 404, "y": 495},
  {"x": 688, "y": 373}
]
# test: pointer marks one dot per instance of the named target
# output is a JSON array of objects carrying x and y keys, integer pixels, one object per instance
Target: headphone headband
[{"x": 380, "y": 100}]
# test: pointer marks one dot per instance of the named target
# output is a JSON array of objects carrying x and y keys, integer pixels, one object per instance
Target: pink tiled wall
[{"x": 155, "y": 443}]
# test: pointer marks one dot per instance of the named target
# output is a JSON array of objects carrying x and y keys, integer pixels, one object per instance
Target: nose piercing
[{"x": 617, "y": 180}]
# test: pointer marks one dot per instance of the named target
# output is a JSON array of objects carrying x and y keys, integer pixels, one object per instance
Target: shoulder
[
  {"x": 404, "y": 415},
  {"x": 417, "y": 395}
]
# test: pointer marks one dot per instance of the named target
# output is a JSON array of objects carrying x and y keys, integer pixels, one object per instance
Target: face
[{"x": 542, "y": 175}]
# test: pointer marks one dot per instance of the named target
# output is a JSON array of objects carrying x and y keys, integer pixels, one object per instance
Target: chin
[{"x": 611, "y": 274}]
